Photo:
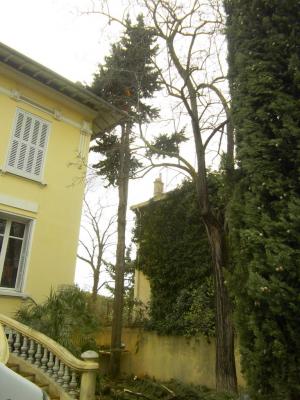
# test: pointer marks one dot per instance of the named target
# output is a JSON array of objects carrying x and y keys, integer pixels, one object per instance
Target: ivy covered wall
[{"x": 174, "y": 254}]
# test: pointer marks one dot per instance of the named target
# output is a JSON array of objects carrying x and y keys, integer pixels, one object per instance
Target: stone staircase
[
  {"x": 35, "y": 378},
  {"x": 47, "y": 364},
  {"x": 32, "y": 378}
]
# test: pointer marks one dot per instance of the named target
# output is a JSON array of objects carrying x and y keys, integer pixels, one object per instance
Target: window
[
  {"x": 13, "y": 242},
  {"x": 28, "y": 145}
]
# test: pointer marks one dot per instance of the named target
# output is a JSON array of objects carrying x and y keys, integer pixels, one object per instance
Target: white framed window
[
  {"x": 14, "y": 236},
  {"x": 28, "y": 145}
]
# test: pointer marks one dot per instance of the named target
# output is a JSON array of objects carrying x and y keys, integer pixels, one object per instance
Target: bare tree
[
  {"x": 98, "y": 237},
  {"x": 193, "y": 76}
]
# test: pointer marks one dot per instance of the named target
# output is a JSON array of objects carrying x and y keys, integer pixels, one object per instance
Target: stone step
[
  {"x": 31, "y": 378},
  {"x": 14, "y": 367}
]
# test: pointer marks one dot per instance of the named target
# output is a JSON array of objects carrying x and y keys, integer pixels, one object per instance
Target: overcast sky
[{"x": 54, "y": 33}]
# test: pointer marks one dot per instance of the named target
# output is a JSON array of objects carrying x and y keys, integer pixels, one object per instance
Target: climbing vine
[{"x": 174, "y": 254}]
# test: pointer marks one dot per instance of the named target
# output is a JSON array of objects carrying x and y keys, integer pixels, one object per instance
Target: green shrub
[{"x": 67, "y": 316}]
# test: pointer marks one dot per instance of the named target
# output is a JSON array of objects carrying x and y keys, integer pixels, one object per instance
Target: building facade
[
  {"x": 142, "y": 289},
  {"x": 46, "y": 124}
]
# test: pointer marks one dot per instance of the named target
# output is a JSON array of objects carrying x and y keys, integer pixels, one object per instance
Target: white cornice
[{"x": 17, "y": 96}]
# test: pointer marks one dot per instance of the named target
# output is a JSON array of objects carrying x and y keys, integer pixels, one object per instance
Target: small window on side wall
[
  {"x": 14, "y": 234},
  {"x": 28, "y": 145}
]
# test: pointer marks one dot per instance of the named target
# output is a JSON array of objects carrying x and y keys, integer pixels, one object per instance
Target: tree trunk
[
  {"x": 225, "y": 360},
  {"x": 114, "y": 365},
  {"x": 95, "y": 286}
]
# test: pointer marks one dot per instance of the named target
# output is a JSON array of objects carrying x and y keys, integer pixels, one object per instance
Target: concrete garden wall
[{"x": 190, "y": 360}]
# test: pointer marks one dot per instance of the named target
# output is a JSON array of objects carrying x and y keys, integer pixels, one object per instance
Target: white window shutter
[
  {"x": 16, "y": 140},
  {"x": 13, "y": 153},
  {"x": 28, "y": 145},
  {"x": 19, "y": 123}
]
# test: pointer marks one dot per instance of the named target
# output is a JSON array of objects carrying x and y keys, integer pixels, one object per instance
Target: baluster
[
  {"x": 88, "y": 378},
  {"x": 31, "y": 352},
  {"x": 60, "y": 373},
  {"x": 17, "y": 344},
  {"x": 10, "y": 340},
  {"x": 66, "y": 378},
  {"x": 38, "y": 355},
  {"x": 55, "y": 368},
  {"x": 24, "y": 348},
  {"x": 44, "y": 360},
  {"x": 50, "y": 364},
  {"x": 73, "y": 385}
]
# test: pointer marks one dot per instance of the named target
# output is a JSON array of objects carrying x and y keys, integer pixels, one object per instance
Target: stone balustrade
[
  {"x": 4, "y": 350},
  {"x": 76, "y": 377}
]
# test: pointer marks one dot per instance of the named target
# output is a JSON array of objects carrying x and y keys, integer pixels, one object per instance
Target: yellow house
[{"x": 46, "y": 123}]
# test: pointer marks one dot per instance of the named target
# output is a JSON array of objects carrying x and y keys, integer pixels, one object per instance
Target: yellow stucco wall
[
  {"x": 142, "y": 289},
  {"x": 52, "y": 252},
  {"x": 190, "y": 360}
]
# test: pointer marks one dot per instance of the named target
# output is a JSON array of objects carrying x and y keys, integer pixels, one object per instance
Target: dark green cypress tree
[{"x": 264, "y": 73}]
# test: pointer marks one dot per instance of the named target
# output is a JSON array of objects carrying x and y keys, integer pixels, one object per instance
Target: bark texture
[
  {"x": 225, "y": 361},
  {"x": 116, "y": 336},
  {"x": 96, "y": 277}
]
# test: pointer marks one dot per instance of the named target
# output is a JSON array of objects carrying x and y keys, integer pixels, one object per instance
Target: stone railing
[
  {"x": 76, "y": 377},
  {"x": 4, "y": 350}
]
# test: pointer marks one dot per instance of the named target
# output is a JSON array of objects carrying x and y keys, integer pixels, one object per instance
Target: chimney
[{"x": 158, "y": 187}]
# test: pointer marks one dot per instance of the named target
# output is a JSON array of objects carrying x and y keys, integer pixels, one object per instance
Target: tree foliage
[
  {"x": 264, "y": 61},
  {"x": 128, "y": 77},
  {"x": 174, "y": 254},
  {"x": 166, "y": 144},
  {"x": 127, "y": 80}
]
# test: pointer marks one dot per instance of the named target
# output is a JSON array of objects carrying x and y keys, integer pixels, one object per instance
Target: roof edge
[{"x": 60, "y": 84}]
